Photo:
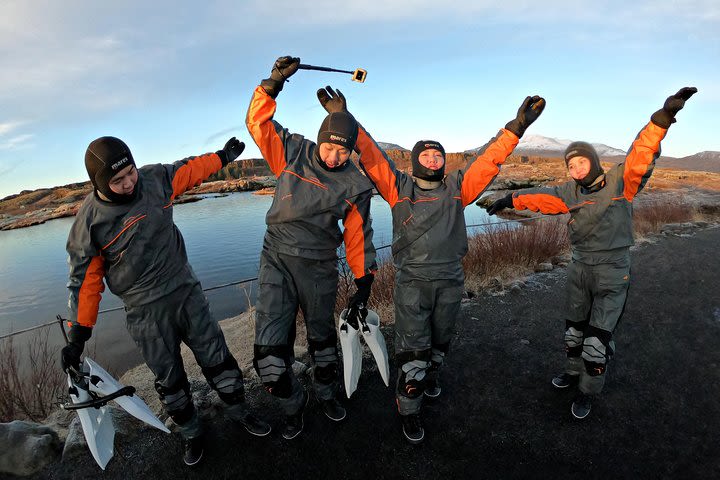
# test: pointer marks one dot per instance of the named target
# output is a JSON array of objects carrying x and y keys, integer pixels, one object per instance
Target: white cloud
[
  {"x": 16, "y": 143},
  {"x": 7, "y": 127}
]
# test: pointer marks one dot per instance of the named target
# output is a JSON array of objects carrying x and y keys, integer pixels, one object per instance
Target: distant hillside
[
  {"x": 253, "y": 167},
  {"x": 703, "y": 161}
]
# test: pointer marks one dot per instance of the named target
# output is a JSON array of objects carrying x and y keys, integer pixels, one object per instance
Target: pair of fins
[
  {"x": 367, "y": 326},
  {"x": 90, "y": 390}
]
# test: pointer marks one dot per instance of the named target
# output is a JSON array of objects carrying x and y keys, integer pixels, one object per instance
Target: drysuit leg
[
  {"x": 579, "y": 305},
  {"x": 317, "y": 291},
  {"x": 207, "y": 342},
  {"x": 275, "y": 332},
  {"x": 611, "y": 286},
  {"x": 413, "y": 310},
  {"x": 154, "y": 329},
  {"x": 448, "y": 298}
]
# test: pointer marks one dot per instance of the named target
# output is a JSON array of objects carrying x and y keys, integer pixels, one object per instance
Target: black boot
[
  {"x": 294, "y": 423},
  {"x": 254, "y": 426},
  {"x": 565, "y": 380},
  {"x": 581, "y": 406},
  {"x": 412, "y": 428},
  {"x": 194, "y": 448},
  {"x": 333, "y": 410}
]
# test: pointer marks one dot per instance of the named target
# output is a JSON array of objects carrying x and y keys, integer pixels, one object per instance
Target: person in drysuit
[
  {"x": 316, "y": 188},
  {"x": 124, "y": 233},
  {"x": 601, "y": 233},
  {"x": 429, "y": 242}
]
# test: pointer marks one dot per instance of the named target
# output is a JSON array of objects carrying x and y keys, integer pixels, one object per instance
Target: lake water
[{"x": 223, "y": 236}]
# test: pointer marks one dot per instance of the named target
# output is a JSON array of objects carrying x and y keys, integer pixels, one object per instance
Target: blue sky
[{"x": 174, "y": 79}]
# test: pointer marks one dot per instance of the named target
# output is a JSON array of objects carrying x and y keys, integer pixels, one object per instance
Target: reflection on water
[{"x": 223, "y": 235}]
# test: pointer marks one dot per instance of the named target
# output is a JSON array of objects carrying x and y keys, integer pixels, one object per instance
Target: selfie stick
[{"x": 357, "y": 76}]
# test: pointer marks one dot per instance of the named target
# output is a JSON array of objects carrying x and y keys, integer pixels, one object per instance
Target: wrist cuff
[{"x": 662, "y": 118}]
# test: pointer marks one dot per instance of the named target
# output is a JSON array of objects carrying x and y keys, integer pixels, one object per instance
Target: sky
[{"x": 174, "y": 79}]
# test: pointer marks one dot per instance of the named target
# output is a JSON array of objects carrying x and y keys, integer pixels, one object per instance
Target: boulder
[{"x": 27, "y": 447}]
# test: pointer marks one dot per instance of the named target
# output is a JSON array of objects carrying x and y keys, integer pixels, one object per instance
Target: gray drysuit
[
  {"x": 139, "y": 251},
  {"x": 429, "y": 242},
  {"x": 601, "y": 234},
  {"x": 298, "y": 264}
]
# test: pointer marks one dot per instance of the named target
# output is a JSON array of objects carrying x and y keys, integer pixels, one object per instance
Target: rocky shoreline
[{"x": 39, "y": 206}]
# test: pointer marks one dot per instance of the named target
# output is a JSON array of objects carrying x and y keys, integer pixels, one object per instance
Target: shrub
[{"x": 29, "y": 391}]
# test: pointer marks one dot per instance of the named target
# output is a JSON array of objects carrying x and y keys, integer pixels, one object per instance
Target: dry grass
[
  {"x": 31, "y": 391},
  {"x": 507, "y": 250},
  {"x": 652, "y": 214}
]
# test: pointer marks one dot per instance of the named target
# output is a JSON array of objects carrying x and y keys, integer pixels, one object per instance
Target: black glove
[
  {"x": 232, "y": 149},
  {"x": 358, "y": 302},
  {"x": 503, "y": 203},
  {"x": 529, "y": 111},
  {"x": 332, "y": 100},
  {"x": 674, "y": 103},
  {"x": 70, "y": 353},
  {"x": 283, "y": 69},
  {"x": 70, "y": 356}
]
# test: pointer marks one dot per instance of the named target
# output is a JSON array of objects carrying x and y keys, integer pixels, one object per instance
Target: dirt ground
[{"x": 498, "y": 416}]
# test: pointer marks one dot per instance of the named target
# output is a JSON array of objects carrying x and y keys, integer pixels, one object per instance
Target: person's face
[
  {"x": 579, "y": 167},
  {"x": 432, "y": 159},
  {"x": 123, "y": 182},
  {"x": 333, "y": 155}
]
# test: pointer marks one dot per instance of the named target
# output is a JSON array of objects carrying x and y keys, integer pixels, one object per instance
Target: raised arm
[
  {"x": 640, "y": 160},
  {"x": 192, "y": 171},
  {"x": 481, "y": 171},
  {"x": 271, "y": 138}
]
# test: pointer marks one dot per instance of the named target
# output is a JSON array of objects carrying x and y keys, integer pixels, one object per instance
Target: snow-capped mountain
[
  {"x": 539, "y": 145},
  {"x": 391, "y": 146}
]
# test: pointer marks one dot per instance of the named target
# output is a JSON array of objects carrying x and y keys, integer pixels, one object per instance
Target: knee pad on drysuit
[
  {"x": 596, "y": 350},
  {"x": 176, "y": 400},
  {"x": 272, "y": 364},
  {"x": 411, "y": 374},
  {"x": 574, "y": 333},
  {"x": 325, "y": 356},
  {"x": 227, "y": 380}
]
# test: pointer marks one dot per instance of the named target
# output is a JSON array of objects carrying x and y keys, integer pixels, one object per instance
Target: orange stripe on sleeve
[
  {"x": 354, "y": 241},
  {"x": 485, "y": 168},
  {"x": 644, "y": 150},
  {"x": 262, "y": 129},
  {"x": 540, "y": 202},
  {"x": 194, "y": 172},
  {"x": 90, "y": 293},
  {"x": 376, "y": 165}
]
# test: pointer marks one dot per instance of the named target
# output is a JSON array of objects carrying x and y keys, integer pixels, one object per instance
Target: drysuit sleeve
[
  {"x": 546, "y": 200},
  {"x": 276, "y": 144},
  {"x": 640, "y": 160},
  {"x": 480, "y": 172},
  {"x": 191, "y": 172},
  {"x": 359, "y": 249},
  {"x": 378, "y": 167},
  {"x": 87, "y": 269}
]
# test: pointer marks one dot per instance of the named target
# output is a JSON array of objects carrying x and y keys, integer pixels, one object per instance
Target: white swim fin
[
  {"x": 351, "y": 352},
  {"x": 375, "y": 341},
  {"x": 97, "y": 425},
  {"x": 90, "y": 390},
  {"x": 103, "y": 383}
]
